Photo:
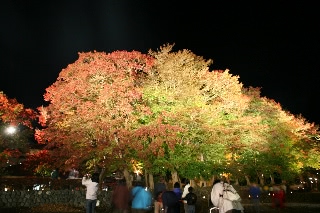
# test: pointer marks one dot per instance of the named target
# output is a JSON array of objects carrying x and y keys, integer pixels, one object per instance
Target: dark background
[{"x": 269, "y": 44}]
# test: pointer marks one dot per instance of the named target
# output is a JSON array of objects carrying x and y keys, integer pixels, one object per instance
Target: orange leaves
[
  {"x": 125, "y": 105},
  {"x": 13, "y": 112},
  {"x": 11, "y": 153},
  {"x": 35, "y": 159},
  {"x": 14, "y": 146},
  {"x": 152, "y": 139},
  {"x": 38, "y": 135},
  {"x": 102, "y": 79},
  {"x": 97, "y": 95}
]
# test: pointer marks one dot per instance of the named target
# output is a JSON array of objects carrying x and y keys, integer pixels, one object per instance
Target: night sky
[{"x": 274, "y": 45}]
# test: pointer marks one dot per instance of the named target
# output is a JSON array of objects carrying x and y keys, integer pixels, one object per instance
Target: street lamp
[
  {"x": 11, "y": 130},
  {"x": 310, "y": 178},
  {"x": 316, "y": 180}
]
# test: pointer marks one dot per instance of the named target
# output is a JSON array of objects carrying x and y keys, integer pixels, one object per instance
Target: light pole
[
  {"x": 311, "y": 182},
  {"x": 316, "y": 180}
]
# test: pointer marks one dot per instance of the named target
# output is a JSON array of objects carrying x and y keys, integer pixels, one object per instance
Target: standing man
[
  {"x": 254, "y": 192},
  {"x": 278, "y": 197},
  {"x": 92, "y": 185},
  {"x": 191, "y": 200},
  {"x": 170, "y": 201},
  {"x": 54, "y": 177},
  {"x": 184, "y": 194},
  {"x": 121, "y": 197},
  {"x": 159, "y": 188},
  {"x": 141, "y": 199},
  {"x": 55, "y": 174}
]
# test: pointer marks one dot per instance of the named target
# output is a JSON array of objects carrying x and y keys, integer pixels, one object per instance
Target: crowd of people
[
  {"x": 72, "y": 173},
  {"x": 139, "y": 198}
]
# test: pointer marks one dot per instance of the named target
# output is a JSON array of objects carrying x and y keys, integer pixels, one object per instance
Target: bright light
[{"x": 11, "y": 130}]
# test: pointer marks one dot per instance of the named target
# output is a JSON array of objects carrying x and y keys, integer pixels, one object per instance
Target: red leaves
[
  {"x": 13, "y": 112},
  {"x": 94, "y": 97},
  {"x": 9, "y": 156}
]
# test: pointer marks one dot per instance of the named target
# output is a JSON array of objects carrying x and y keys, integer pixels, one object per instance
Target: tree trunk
[
  {"x": 192, "y": 183},
  {"x": 236, "y": 183},
  {"x": 272, "y": 180},
  {"x": 174, "y": 177},
  {"x": 100, "y": 177},
  {"x": 151, "y": 181},
  {"x": 261, "y": 180},
  {"x": 212, "y": 180},
  {"x": 248, "y": 180},
  {"x": 146, "y": 177},
  {"x": 127, "y": 176},
  {"x": 202, "y": 183}
]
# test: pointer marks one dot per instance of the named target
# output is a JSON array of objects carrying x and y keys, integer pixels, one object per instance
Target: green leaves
[{"x": 168, "y": 111}]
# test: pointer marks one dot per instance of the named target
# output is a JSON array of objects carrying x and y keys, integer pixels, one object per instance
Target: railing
[{"x": 9, "y": 183}]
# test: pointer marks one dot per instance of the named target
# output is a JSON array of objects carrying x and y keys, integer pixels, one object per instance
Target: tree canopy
[
  {"x": 14, "y": 145},
  {"x": 167, "y": 111}
]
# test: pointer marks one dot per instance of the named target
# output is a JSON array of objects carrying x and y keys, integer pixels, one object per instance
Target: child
[{"x": 191, "y": 199}]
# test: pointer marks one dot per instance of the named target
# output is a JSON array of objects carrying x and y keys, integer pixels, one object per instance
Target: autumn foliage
[
  {"x": 93, "y": 105},
  {"x": 168, "y": 111},
  {"x": 14, "y": 113},
  {"x": 14, "y": 146}
]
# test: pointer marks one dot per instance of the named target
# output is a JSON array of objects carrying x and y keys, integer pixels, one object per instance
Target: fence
[{"x": 35, "y": 191}]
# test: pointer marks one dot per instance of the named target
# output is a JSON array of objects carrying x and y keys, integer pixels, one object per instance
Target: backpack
[
  {"x": 191, "y": 199},
  {"x": 230, "y": 193}
]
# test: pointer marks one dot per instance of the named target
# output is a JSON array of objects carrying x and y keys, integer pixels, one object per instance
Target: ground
[
  {"x": 304, "y": 202},
  {"x": 265, "y": 208}
]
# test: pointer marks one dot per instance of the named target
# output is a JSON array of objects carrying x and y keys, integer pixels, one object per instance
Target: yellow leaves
[
  {"x": 62, "y": 125},
  {"x": 186, "y": 84},
  {"x": 223, "y": 90},
  {"x": 229, "y": 156},
  {"x": 161, "y": 101},
  {"x": 178, "y": 72},
  {"x": 300, "y": 165}
]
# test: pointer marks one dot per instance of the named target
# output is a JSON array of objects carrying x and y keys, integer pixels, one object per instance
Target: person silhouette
[{"x": 92, "y": 185}]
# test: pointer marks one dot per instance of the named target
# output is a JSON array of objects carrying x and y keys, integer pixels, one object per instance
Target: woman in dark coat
[{"x": 121, "y": 197}]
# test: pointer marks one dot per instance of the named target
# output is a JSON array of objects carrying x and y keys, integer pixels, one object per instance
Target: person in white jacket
[
  {"x": 184, "y": 194},
  {"x": 217, "y": 199},
  {"x": 92, "y": 185}
]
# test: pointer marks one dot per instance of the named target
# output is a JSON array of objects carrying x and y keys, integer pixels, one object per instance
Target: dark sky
[{"x": 270, "y": 44}]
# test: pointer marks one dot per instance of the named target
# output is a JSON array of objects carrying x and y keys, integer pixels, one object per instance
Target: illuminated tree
[
  {"x": 182, "y": 89},
  {"x": 167, "y": 111},
  {"x": 226, "y": 127},
  {"x": 275, "y": 142},
  {"x": 39, "y": 163},
  {"x": 13, "y": 146},
  {"x": 93, "y": 105}
]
